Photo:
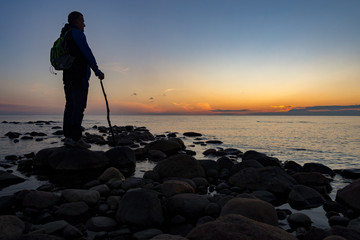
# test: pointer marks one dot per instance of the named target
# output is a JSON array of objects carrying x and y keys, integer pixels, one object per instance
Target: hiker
[{"x": 76, "y": 79}]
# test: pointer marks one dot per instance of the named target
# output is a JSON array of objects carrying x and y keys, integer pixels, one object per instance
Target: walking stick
[{"x": 108, "y": 112}]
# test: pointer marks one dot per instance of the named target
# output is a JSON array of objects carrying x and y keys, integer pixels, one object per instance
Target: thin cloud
[
  {"x": 168, "y": 90},
  {"x": 283, "y": 108},
  {"x": 116, "y": 67},
  {"x": 229, "y": 111}
]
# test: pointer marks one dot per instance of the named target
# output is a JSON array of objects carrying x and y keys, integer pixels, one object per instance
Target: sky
[{"x": 189, "y": 56}]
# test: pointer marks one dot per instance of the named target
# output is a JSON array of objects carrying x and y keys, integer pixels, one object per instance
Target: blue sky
[{"x": 190, "y": 57}]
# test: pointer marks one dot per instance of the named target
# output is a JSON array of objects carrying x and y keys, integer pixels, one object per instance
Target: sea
[{"x": 331, "y": 140}]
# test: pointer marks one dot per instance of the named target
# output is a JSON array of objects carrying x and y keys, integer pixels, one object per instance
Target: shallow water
[{"x": 333, "y": 141}]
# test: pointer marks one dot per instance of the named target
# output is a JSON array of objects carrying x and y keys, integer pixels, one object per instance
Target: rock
[
  {"x": 233, "y": 151},
  {"x": 303, "y": 197},
  {"x": 40, "y": 199},
  {"x": 90, "y": 197},
  {"x": 6, "y": 203},
  {"x": 350, "y": 195},
  {"x": 70, "y": 159},
  {"x": 157, "y": 155},
  {"x": 172, "y": 187},
  {"x": 214, "y": 142},
  {"x": 338, "y": 220},
  {"x": 101, "y": 224},
  {"x": 334, "y": 237},
  {"x": 272, "y": 179},
  {"x": 192, "y": 134},
  {"x": 168, "y": 147},
  {"x": 110, "y": 173},
  {"x": 140, "y": 207},
  {"x": 72, "y": 210},
  {"x": 297, "y": 220},
  {"x": 261, "y": 158},
  {"x": 146, "y": 234},
  {"x": 122, "y": 158},
  {"x": 350, "y": 173},
  {"x": 225, "y": 162},
  {"x": 180, "y": 165},
  {"x": 312, "y": 179},
  {"x": 209, "y": 152},
  {"x": 189, "y": 205},
  {"x": 255, "y": 209},
  {"x": 56, "y": 226},
  {"x": 235, "y": 227},
  {"x": 103, "y": 189},
  {"x": 354, "y": 223},
  {"x": 168, "y": 237},
  {"x": 13, "y": 135},
  {"x": 347, "y": 233},
  {"x": 7, "y": 179},
  {"x": 71, "y": 232},
  {"x": 11, "y": 226},
  {"x": 265, "y": 196},
  {"x": 318, "y": 167},
  {"x": 132, "y": 182}
]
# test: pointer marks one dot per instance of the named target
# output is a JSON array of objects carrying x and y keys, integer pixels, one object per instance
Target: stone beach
[{"x": 223, "y": 194}]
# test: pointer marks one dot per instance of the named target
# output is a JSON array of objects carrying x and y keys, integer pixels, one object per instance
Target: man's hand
[{"x": 101, "y": 76}]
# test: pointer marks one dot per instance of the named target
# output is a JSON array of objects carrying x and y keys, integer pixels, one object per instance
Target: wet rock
[
  {"x": 11, "y": 226},
  {"x": 70, "y": 159},
  {"x": 189, "y": 205},
  {"x": 6, "y": 203},
  {"x": 192, "y": 134},
  {"x": 7, "y": 179},
  {"x": 261, "y": 158},
  {"x": 225, "y": 162},
  {"x": 172, "y": 187},
  {"x": 350, "y": 173},
  {"x": 146, "y": 234},
  {"x": 214, "y": 142},
  {"x": 90, "y": 197},
  {"x": 209, "y": 152},
  {"x": 140, "y": 207},
  {"x": 11, "y": 157},
  {"x": 40, "y": 199},
  {"x": 56, "y": 226},
  {"x": 255, "y": 209},
  {"x": 180, "y": 165},
  {"x": 330, "y": 205},
  {"x": 132, "y": 182},
  {"x": 338, "y": 220},
  {"x": 103, "y": 189},
  {"x": 234, "y": 227},
  {"x": 58, "y": 133},
  {"x": 122, "y": 158},
  {"x": 354, "y": 223},
  {"x": 350, "y": 195},
  {"x": 265, "y": 196},
  {"x": 168, "y": 237},
  {"x": 318, "y": 167},
  {"x": 347, "y": 233},
  {"x": 101, "y": 224},
  {"x": 111, "y": 173},
  {"x": 313, "y": 180},
  {"x": 13, "y": 135},
  {"x": 272, "y": 179},
  {"x": 157, "y": 155},
  {"x": 303, "y": 197},
  {"x": 169, "y": 147},
  {"x": 297, "y": 220},
  {"x": 72, "y": 210}
]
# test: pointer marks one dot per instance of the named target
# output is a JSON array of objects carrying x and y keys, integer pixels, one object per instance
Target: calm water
[{"x": 333, "y": 141}]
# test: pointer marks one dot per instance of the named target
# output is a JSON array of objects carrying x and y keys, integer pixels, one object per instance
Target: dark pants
[{"x": 76, "y": 97}]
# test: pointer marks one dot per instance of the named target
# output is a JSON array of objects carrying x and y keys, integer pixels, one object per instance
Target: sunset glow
[{"x": 189, "y": 57}]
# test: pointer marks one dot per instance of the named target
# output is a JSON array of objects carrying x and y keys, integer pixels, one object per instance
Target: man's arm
[{"x": 80, "y": 40}]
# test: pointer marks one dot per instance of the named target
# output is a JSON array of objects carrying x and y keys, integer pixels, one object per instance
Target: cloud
[
  {"x": 116, "y": 67},
  {"x": 194, "y": 108},
  {"x": 230, "y": 111},
  {"x": 283, "y": 108},
  {"x": 168, "y": 90},
  {"x": 333, "y": 108}
]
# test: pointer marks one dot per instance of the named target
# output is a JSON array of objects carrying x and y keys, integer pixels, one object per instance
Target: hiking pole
[{"x": 108, "y": 112}]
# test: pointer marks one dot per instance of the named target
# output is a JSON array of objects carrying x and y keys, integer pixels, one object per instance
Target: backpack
[{"x": 60, "y": 57}]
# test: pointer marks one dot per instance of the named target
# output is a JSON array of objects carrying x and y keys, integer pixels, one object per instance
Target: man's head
[{"x": 76, "y": 19}]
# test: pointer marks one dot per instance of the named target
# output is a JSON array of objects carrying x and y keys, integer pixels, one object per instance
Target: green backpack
[{"x": 60, "y": 57}]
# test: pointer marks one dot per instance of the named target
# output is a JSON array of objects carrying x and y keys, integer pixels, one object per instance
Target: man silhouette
[{"x": 76, "y": 79}]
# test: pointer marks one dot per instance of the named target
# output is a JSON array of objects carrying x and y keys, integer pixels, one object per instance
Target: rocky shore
[{"x": 224, "y": 194}]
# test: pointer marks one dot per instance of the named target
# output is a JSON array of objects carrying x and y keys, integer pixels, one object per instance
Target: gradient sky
[{"x": 188, "y": 56}]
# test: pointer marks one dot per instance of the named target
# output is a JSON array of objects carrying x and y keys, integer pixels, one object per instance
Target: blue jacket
[{"x": 84, "y": 58}]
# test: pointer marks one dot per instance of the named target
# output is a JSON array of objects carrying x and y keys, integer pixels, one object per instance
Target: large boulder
[
  {"x": 303, "y": 197},
  {"x": 90, "y": 197},
  {"x": 189, "y": 205},
  {"x": 11, "y": 226},
  {"x": 7, "y": 179},
  {"x": 235, "y": 227},
  {"x": 172, "y": 187},
  {"x": 255, "y": 209},
  {"x": 70, "y": 159},
  {"x": 261, "y": 158},
  {"x": 169, "y": 147},
  {"x": 350, "y": 195},
  {"x": 272, "y": 179},
  {"x": 40, "y": 199},
  {"x": 122, "y": 158},
  {"x": 140, "y": 207},
  {"x": 180, "y": 165},
  {"x": 313, "y": 179},
  {"x": 318, "y": 167}
]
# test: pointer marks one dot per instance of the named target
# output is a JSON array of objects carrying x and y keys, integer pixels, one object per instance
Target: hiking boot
[{"x": 77, "y": 144}]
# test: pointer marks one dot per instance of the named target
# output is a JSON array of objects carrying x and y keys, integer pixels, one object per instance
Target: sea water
[{"x": 332, "y": 141}]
